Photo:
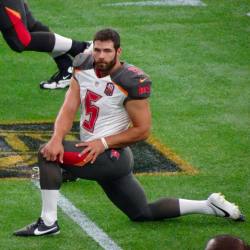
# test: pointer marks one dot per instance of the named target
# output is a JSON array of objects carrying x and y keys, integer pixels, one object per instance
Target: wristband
[{"x": 105, "y": 144}]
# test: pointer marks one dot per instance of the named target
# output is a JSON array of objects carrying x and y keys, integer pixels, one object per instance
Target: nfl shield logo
[{"x": 109, "y": 89}]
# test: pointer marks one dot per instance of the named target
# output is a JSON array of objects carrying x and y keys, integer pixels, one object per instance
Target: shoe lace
[
  {"x": 36, "y": 224},
  {"x": 55, "y": 77}
]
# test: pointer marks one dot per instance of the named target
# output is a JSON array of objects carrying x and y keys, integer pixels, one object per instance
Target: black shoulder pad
[
  {"x": 83, "y": 61},
  {"x": 79, "y": 60},
  {"x": 134, "y": 81}
]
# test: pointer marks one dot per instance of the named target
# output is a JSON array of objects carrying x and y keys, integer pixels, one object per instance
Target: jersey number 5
[{"x": 91, "y": 110}]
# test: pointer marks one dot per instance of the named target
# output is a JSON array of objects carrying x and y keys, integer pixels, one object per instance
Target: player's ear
[{"x": 119, "y": 51}]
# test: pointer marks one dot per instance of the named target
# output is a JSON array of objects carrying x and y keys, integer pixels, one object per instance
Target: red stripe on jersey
[
  {"x": 21, "y": 30},
  {"x": 73, "y": 158}
]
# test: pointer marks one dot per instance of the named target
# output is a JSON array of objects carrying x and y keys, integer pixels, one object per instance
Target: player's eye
[{"x": 108, "y": 50}]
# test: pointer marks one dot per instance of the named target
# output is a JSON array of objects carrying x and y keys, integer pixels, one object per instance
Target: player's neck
[{"x": 115, "y": 68}]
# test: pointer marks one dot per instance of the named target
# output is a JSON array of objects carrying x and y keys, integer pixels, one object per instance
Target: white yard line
[
  {"x": 88, "y": 226},
  {"x": 160, "y": 3}
]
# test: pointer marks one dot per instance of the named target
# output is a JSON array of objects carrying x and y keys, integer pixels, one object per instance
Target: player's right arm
[{"x": 64, "y": 121}]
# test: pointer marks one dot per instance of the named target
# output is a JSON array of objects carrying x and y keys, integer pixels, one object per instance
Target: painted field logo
[{"x": 19, "y": 144}]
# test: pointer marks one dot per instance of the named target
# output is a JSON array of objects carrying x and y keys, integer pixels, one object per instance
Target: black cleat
[
  {"x": 60, "y": 80},
  {"x": 38, "y": 229}
]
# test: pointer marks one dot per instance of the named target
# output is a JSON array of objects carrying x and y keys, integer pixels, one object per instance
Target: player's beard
[{"x": 105, "y": 67}]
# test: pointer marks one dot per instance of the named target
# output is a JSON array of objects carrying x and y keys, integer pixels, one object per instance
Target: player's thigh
[{"x": 111, "y": 164}]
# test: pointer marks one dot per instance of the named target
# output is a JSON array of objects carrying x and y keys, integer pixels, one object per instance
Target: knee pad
[{"x": 12, "y": 41}]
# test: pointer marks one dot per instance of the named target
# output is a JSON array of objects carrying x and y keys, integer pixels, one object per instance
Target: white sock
[
  {"x": 49, "y": 206},
  {"x": 194, "y": 207},
  {"x": 62, "y": 45}
]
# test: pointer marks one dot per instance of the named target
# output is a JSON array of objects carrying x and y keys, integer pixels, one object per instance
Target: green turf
[
  {"x": 198, "y": 58},
  {"x": 17, "y": 210}
]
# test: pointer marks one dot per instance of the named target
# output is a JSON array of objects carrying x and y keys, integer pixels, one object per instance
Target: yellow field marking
[
  {"x": 15, "y": 142},
  {"x": 169, "y": 154},
  {"x": 24, "y": 155},
  {"x": 13, "y": 160},
  {"x": 72, "y": 137}
]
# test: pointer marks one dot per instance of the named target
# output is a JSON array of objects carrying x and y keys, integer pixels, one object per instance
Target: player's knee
[
  {"x": 16, "y": 46},
  {"x": 14, "y": 41},
  {"x": 144, "y": 215},
  {"x": 50, "y": 172},
  {"x": 39, "y": 154},
  {"x": 138, "y": 219},
  {"x": 141, "y": 218}
]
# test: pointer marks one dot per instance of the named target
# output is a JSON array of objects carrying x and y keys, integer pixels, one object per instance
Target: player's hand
[
  {"x": 53, "y": 150},
  {"x": 92, "y": 148}
]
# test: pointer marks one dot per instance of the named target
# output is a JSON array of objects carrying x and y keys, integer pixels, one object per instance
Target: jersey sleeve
[
  {"x": 82, "y": 61},
  {"x": 136, "y": 83}
]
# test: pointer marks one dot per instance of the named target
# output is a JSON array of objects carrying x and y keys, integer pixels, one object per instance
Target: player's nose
[{"x": 102, "y": 54}]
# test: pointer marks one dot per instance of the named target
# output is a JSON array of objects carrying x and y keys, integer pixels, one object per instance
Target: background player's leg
[
  {"x": 61, "y": 49},
  {"x": 22, "y": 32},
  {"x": 13, "y": 24},
  {"x": 16, "y": 14}
]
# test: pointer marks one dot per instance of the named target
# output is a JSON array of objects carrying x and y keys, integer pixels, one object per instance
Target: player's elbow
[
  {"x": 144, "y": 133},
  {"x": 16, "y": 47}
]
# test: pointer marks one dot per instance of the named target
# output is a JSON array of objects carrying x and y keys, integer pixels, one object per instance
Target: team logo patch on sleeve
[{"x": 109, "y": 89}]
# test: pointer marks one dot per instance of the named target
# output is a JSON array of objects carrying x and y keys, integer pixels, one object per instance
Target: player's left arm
[{"x": 140, "y": 116}]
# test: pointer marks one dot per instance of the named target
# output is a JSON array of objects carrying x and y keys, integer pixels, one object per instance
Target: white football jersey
[
  {"x": 101, "y": 114},
  {"x": 102, "y": 99}
]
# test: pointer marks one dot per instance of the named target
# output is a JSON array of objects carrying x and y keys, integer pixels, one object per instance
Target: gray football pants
[{"x": 113, "y": 172}]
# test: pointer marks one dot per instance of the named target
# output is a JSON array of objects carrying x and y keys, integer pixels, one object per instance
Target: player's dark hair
[{"x": 108, "y": 34}]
